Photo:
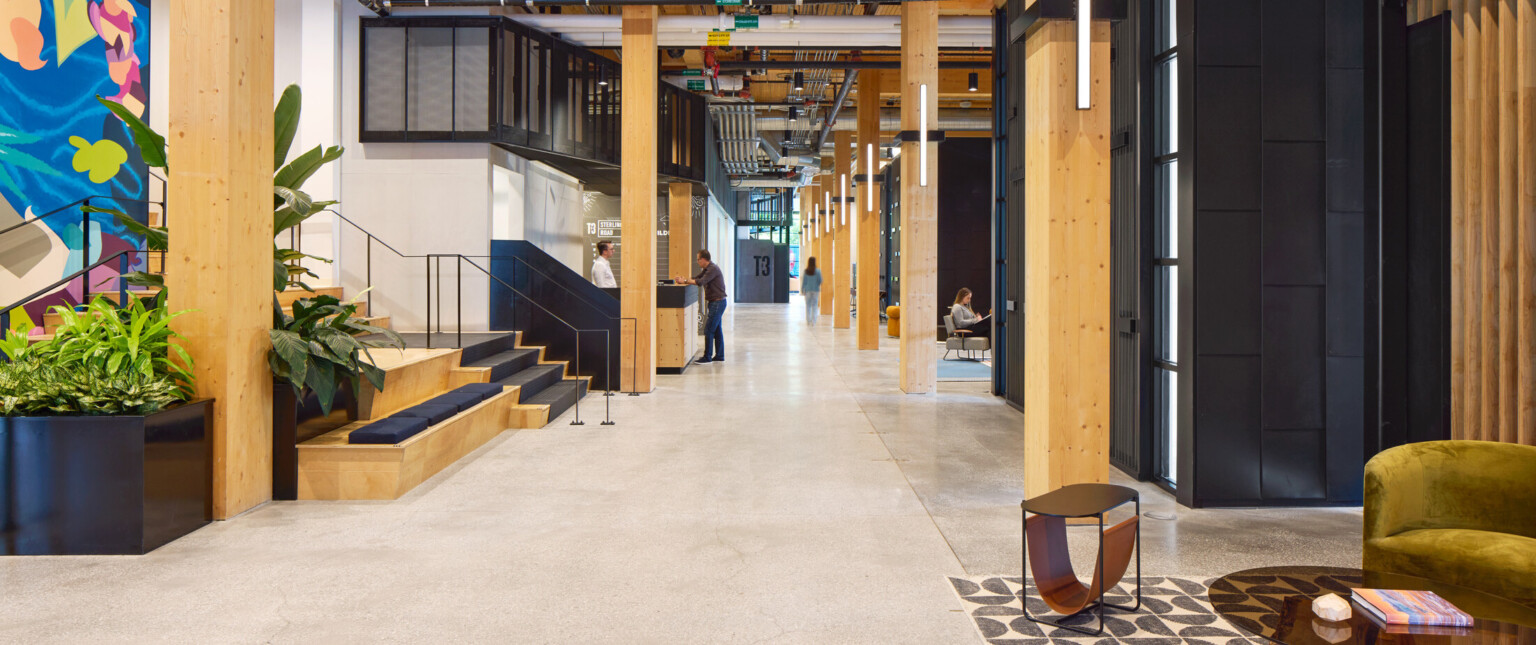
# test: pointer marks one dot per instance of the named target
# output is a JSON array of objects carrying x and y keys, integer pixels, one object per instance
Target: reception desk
[{"x": 677, "y": 326}]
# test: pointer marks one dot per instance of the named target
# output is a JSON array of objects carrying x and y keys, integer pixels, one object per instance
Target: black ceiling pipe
[
  {"x": 383, "y": 8},
  {"x": 849, "y": 77},
  {"x": 845, "y": 64}
]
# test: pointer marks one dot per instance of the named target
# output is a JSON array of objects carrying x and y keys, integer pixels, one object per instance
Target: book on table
[{"x": 1397, "y": 607}]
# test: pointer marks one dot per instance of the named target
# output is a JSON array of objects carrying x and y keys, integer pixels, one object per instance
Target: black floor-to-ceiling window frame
[{"x": 1164, "y": 185}]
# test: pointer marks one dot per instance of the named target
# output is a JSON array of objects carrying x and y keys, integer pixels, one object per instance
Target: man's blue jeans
[{"x": 714, "y": 337}]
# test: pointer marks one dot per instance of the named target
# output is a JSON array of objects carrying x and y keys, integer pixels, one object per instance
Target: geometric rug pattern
[
  {"x": 1253, "y": 599},
  {"x": 1173, "y": 610}
]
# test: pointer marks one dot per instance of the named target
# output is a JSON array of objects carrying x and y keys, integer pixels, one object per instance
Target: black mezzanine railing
[{"x": 490, "y": 79}]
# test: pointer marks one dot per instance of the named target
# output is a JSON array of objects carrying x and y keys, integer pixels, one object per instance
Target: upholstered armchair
[{"x": 1458, "y": 512}]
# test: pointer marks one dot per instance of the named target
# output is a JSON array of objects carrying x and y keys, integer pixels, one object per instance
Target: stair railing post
[
  {"x": 578, "y": 422},
  {"x": 439, "y": 294},
  {"x": 369, "y": 275},
  {"x": 607, "y": 378},
  {"x": 458, "y": 301},
  {"x": 122, "y": 280},
  {"x": 429, "y": 302},
  {"x": 85, "y": 250}
]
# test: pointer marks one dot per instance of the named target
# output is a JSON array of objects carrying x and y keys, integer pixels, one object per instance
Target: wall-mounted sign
[
  {"x": 696, "y": 85},
  {"x": 719, "y": 38}
]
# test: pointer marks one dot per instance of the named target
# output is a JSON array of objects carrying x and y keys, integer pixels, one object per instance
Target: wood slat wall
[{"x": 1493, "y": 216}]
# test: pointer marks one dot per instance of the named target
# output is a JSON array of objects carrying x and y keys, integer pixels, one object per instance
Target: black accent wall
[
  {"x": 1272, "y": 231},
  {"x": 965, "y": 223}
]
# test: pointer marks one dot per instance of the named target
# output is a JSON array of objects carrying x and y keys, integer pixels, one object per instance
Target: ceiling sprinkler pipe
[
  {"x": 411, "y": 4},
  {"x": 890, "y": 121},
  {"x": 850, "y": 78}
]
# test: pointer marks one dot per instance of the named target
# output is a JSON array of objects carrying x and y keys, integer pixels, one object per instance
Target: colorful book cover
[{"x": 1396, "y": 607}]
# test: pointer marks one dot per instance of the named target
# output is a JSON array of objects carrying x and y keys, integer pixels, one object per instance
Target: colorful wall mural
[{"x": 58, "y": 145}]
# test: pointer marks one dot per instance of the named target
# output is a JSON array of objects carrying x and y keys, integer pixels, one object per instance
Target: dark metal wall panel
[
  {"x": 1229, "y": 308},
  {"x": 1293, "y": 70},
  {"x": 965, "y": 208},
  {"x": 1293, "y": 357},
  {"x": 1275, "y": 191},
  {"x": 1130, "y": 440},
  {"x": 1228, "y": 394},
  {"x": 1293, "y": 213},
  {"x": 1228, "y": 144}
]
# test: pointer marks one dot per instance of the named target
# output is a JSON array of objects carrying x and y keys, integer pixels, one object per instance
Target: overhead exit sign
[
  {"x": 746, "y": 21},
  {"x": 696, "y": 85}
]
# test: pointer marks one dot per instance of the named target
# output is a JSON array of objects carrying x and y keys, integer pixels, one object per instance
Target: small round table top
[
  {"x": 1080, "y": 500},
  {"x": 1276, "y": 603}
]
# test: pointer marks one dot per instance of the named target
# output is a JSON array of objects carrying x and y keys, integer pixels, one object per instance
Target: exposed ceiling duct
[
  {"x": 850, "y": 32},
  {"x": 383, "y": 7},
  {"x": 890, "y": 121},
  {"x": 850, "y": 77}
]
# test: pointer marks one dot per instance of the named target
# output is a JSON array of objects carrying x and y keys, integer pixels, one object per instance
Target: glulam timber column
[
  {"x": 869, "y": 210},
  {"x": 919, "y": 203},
  {"x": 219, "y": 268},
  {"x": 680, "y": 229},
  {"x": 842, "y": 222},
  {"x": 637, "y": 192},
  {"x": 1067, "y": 283}
]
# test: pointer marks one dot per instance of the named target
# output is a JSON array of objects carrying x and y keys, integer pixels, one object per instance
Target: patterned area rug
[{"x": 1174, "y": 610}]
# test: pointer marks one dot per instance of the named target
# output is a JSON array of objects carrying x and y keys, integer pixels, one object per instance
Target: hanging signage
[
  {"x": 746, "y": 21},
  {"x": 719, "y": 38},
  {"x": 722, "y": 3},
  {"x": 691, "y": 72},
  {"x": 696, "y": 85}
]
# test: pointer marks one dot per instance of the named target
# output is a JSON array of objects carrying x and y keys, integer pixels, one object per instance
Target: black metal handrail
[
  {"x": 85, "y": 219},
  {"x": 122, "y": 285},
  {"x": 459, "y": 323}
]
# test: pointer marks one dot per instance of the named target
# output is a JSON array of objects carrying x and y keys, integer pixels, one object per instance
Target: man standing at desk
[
  {"x": 602, "y": 271},
  {"x": 713, "y": 283}
]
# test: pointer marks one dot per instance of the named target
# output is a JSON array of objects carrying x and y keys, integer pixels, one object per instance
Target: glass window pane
[
  {"x": 429, "y": 99},
  {"x": 472, "y": 80},
  {"x": 1166, "y": 201},
  {"x": 1165, "y": 304},
  {"x": 1168, "y": 419},
  {"x": 384, "y": 69}
]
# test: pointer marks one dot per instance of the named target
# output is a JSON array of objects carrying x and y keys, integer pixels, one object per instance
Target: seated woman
[{"x": 966, "y": 319}]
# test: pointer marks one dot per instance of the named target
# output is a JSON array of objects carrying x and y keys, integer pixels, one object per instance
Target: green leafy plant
[
  {"x": 104, "y": 360},
  {"x": 318, "y": 348},
  {"x": 291, "y": 205}
]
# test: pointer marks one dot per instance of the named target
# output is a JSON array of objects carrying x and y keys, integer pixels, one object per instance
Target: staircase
[{"x": 504, "y": 360}]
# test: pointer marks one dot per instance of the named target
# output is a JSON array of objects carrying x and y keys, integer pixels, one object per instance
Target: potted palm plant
[{"x": 103, "y": 449}]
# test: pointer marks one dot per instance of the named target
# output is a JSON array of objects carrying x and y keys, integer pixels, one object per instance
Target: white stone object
[{"x": 1331, "y": 607}]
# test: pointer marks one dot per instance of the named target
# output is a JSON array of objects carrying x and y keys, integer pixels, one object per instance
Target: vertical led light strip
[
  {"x": 869, "y": 176},
  {"x": 1084, "y": 22},
  {"x": 922, "y": 134},
  {"x": 827, "y": 197},
  {"x": 844, "y": 205}
]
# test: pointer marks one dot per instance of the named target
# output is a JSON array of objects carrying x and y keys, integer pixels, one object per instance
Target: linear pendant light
[
  {"x": 922, "y": 134},
  {"x": 1084, "y": 23},
  {"x": 827, "y": 198},
  {"x": 869, "y": 176},
  {"x": 844, "y": 206}
]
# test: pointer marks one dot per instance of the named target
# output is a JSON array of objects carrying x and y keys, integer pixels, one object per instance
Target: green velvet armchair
[{"x": 1458, "y": 512}]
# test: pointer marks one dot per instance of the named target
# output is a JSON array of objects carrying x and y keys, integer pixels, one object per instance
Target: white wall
[
  {"x": 306, "y": 34},
  {"x": 721, "y": 231}
]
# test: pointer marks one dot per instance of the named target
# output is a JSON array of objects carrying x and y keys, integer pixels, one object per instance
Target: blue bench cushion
[
  {"x": 434, "y": 413},
  {"x": 485, "y": 390},
  {"x": 388, "y": 431},
  {"x": 462, "y": 400}
]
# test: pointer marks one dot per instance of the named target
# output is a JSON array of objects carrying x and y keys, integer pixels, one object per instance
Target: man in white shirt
[{"x": 602, "y": 272}]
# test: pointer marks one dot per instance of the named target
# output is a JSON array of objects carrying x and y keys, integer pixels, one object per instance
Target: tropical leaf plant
[
  {"x": 104, "y": 360},
  {"x": 318, "y": 348},
  {"x": 291, "y": 205}
]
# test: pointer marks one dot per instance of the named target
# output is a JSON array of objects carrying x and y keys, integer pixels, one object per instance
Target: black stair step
[
  {"x": 508, "y": 362},
  {"x": 534, "y": 380},
  {"x": 559, "y": 397},
  {"x": 485, "y": 349}
]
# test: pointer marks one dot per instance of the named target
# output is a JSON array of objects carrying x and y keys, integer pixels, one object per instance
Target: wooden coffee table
[{"x": 1276, "y": 603}]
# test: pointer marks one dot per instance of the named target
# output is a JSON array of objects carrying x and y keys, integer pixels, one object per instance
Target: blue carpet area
[{"x": 964, "y": 370}]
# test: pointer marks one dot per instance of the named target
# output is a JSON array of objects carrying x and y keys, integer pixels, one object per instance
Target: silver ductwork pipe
[
  {"x": 850, "y": 78},
  {"x": 890, "y": 121},
  {"x": 767, "y": 146},
  {"x": 849, "y": 32}
]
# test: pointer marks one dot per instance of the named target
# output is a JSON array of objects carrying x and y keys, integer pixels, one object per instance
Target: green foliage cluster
[
  {"x": 291, "y": 205},
  {"x": 318, "y": 347},
  {"x": 103, "y": 361}
]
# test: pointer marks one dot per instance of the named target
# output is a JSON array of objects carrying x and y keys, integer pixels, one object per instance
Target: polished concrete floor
[{"x": 789, "y": 495}]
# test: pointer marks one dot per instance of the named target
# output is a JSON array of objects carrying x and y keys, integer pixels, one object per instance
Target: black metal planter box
[{"x": 122, "y": 485}]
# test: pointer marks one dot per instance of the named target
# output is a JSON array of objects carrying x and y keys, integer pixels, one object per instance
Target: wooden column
[
  {"x": 1493, "y": 220},
  {"x": 1067, "y": 284},
  {"x": 919, "y": 203},
  {"x": 637, "y": 188},
  {"x": 827, "y": 262},
  {"x": 680, "y": 230},
  {"x": 219, "y": 266},
  {"x": 869, "y": 211},
  {"x": 842, "y": 222}
]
